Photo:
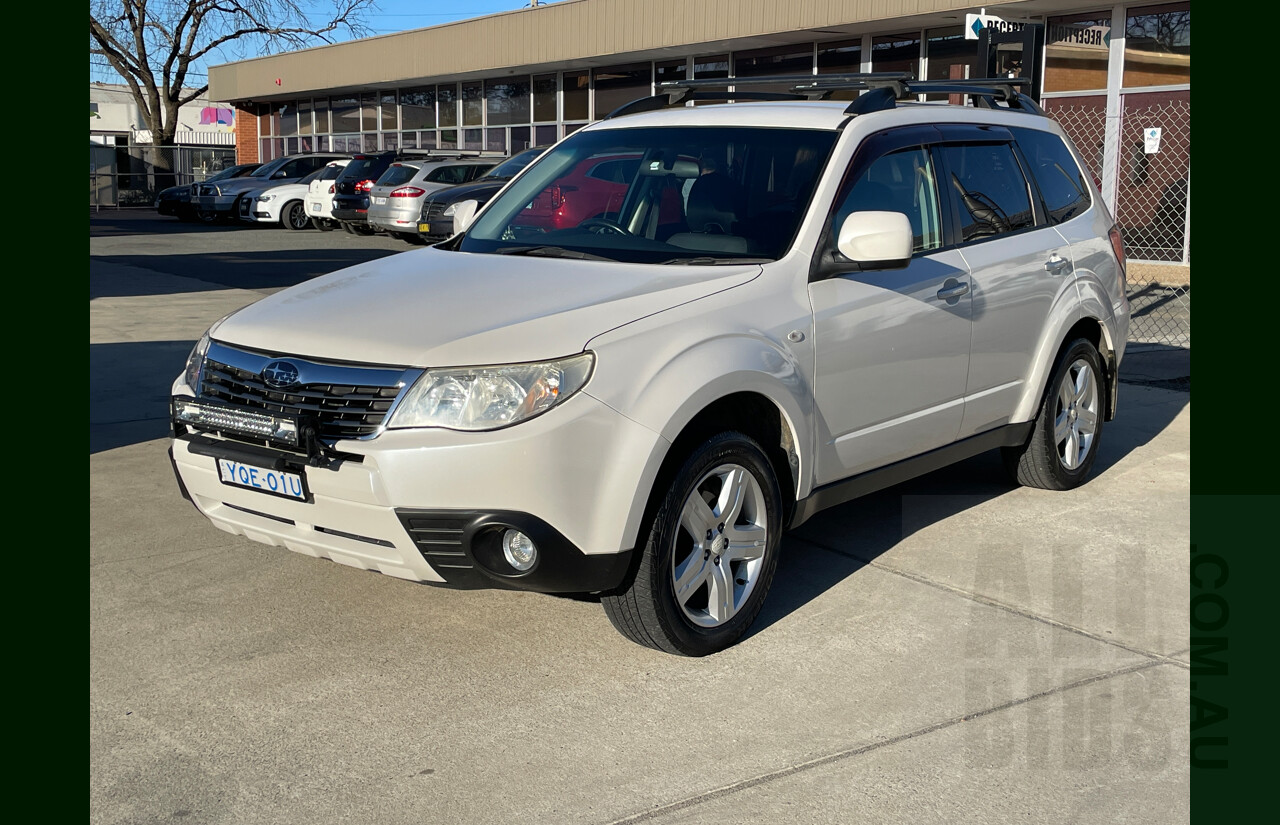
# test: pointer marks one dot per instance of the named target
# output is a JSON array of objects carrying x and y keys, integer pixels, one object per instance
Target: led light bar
[{"x": 278, "y": 428}]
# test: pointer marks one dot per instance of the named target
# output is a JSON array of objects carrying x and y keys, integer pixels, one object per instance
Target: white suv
[{"x": 784, "y": 305}]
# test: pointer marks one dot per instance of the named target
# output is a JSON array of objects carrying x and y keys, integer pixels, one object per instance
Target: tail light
[
  {"x": 1117, "y": 244},
  {"x": 364, "y": 185},
  {"x": 331, "y": 189},
  {"x": 408, "y": 192},
  {"x": 558, "y": 195}
]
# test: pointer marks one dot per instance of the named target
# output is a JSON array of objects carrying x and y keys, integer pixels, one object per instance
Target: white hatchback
[
  {"x": 779, "y": 307},
  {"x": 319, "y": 198}
]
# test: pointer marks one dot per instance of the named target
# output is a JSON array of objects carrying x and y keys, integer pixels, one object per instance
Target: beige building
[{"x": 1110, "y": 73}]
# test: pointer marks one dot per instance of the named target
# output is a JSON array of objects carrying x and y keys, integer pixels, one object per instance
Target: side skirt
[{"x": 839, "y": 492}]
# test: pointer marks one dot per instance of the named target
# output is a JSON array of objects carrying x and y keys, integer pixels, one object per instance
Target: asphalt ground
[{"x": 953, "y": 649}]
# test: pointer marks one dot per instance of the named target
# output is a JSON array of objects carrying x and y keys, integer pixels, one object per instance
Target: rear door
[{"x": 1019, "y": 266}]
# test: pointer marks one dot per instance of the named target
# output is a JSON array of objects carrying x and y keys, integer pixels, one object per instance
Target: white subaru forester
[{"x": 768, "y": 308}]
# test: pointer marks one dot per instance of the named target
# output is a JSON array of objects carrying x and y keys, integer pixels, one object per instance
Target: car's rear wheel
[
  {"x": 321, "y": 224},
  {"x": 1064, "y": 441},
  {"x": 709, "y": 555},
  {"x": 295, "y": 215}
]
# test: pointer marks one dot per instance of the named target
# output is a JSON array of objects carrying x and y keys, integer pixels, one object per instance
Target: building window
[
  {"x": 619, "y": 85},
  {"x": 781, "y": 60},
  {"x": 321, "y": 112},
  {"x": 896, "y": 53},
  {"x": 948, "y": 56},
  {"x": 1075, "y": 54},
  {"x": 544, "y": 98},
  {"x": 346, "y": 114},
  {"x": 473, "y": 104},
  {"x": 711, "y": 68},
  {"x": 418, "y": 108},
  {"x": 473, "y": 139},
  {"x": 542, "y": 136},
  {"x": 495, "y": 140},
  {"x": 369, "y": 112},
  {"x": 507, "y": 101},
  {"x": 305, "y": 119},
  {"x": 448, "y": 138},
  {"x": 841, "y": 57},
  {"x": 576, "y": 96},
  {"x": 390, "y": 117},
  {"x": 447, "y": 105},
  {"x": 1157, "y": 46}
]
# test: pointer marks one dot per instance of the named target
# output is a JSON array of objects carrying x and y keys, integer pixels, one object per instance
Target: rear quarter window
[
  {"x": 1063, "y": 187},
  {"x": 448, "y": 174}
]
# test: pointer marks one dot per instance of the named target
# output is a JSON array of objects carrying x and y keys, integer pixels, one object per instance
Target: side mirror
[
  {"x": 280, "y": 174},
  {"x": 876, "y": 240},
  {"x": 463, "y": 213}
]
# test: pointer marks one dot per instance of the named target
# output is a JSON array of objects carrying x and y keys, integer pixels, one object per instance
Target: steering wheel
[{"x": 606, "y": 225}]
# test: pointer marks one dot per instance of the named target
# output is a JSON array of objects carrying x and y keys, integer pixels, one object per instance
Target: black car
[
  {"x": 436, "y": 221},
  {"x": 176, "y": 200}
]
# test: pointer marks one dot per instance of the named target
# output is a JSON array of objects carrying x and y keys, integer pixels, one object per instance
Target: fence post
[{"x": 1111, "y": 133}]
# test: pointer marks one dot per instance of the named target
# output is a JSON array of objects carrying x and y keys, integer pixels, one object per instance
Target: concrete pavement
[{"x": 951, "y": 650}]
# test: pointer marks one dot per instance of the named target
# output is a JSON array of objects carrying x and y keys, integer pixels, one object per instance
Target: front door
[{"x": 891, "y": 346}]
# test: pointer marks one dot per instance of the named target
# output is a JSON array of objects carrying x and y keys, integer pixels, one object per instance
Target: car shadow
[
  {"x": 233, "y": 269},
  {"x": 839, "y": 542},
  {"x": 129, "y": 391}
]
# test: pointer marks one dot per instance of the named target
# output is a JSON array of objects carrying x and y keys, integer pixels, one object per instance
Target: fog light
[{"x": 519, "y": 550}]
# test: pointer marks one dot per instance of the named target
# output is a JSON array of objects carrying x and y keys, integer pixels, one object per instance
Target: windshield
[
  {"x": 267, "y": 168},
  {"x": 511, "y": 167},
  {"x": 660, "y": 195}
]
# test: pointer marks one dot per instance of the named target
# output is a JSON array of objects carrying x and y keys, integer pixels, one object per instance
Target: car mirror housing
[
  {"x": 463, "y": 213},
  {"x": 876, "y": 240}
]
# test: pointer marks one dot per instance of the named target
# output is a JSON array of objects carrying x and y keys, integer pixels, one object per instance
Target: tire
[
  {"x": 1068, "y": 428},
  {"x": 295, "y": 216},
  {"x": 321, "y": 224},
  {"x": 206, "y": 216},
  {"x": 697, "y": 594},
  {"x": 348, "y": 227}
]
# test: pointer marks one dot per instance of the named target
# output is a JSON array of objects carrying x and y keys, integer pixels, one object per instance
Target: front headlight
[
  {"x": 450, "y": 211},
  {"x": 489, "y": 398},
  {"x": 264, "y": 198},
  {"x": 195, "y": 363}
]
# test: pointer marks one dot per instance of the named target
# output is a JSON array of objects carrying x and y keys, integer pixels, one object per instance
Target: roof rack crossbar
[{"x": 883, "y": 90}]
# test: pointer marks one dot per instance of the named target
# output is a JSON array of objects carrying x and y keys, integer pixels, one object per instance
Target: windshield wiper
[
  {"x": 707, "y": 260},
  {"x": 551, "y": 252}
]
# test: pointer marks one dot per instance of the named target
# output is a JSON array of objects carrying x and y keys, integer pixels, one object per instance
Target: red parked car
[{"x": 595, "y": 189}]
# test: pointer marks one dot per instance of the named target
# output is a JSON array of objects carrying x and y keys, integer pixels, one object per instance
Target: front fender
[{"x": 663, "y": 380}]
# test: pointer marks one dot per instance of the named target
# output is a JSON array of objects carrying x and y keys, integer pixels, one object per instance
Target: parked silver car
[{"x": 395, "y": 200}]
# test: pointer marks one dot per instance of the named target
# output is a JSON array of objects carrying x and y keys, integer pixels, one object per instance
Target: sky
[{"x": 388, "y": 16}]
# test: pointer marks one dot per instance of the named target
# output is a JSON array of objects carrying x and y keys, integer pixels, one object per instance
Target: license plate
[
  {"x": 424, "y": 227},
  {"x": 379, "y": 201},
  {"x": 315, "y": 207},
  {"x": 275, "y": 482}
]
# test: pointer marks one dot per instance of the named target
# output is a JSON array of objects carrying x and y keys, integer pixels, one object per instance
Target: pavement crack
[
  {"x": 821, "y": 761},
  {"x": 999, "y": 605}
]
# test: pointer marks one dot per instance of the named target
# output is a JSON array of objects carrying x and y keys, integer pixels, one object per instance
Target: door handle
[
  {"x": 1056, "y": 264},
  {"x": 950, "y": 293}
]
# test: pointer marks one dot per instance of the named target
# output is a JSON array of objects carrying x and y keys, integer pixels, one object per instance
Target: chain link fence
[
  {"x": 132, "y": 176},
  {"x": 1152, "y": 200}
]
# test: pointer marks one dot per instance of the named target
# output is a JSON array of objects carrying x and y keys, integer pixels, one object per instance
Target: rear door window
[
  {"x": 987, "y": 184},
  {"x": 1063, "y": 187}
]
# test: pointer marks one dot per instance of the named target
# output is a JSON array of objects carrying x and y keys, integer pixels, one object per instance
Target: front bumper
[
  {"x": 436, "y": 228},
  {"x": 430, "y": 505}
]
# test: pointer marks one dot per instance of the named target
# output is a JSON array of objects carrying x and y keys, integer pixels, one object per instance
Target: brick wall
[{"x": 246, "y": 135}]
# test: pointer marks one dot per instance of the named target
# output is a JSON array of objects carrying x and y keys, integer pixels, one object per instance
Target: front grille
[
  {"x": 341, "y": 411},
  {"x": 432, "y": 210},
  {"x": 244, "y": 207},
  {"x": 438, "y": 539}
]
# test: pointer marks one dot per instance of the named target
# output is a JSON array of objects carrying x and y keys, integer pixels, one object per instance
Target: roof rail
[{"x": 883, "y": 89}]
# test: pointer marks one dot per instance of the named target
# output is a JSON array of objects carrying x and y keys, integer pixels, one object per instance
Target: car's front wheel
[
  {"x": 710, "y": 553},
  {"x": 295, "y": 215},
  {"x": 1064, "y": 441}
]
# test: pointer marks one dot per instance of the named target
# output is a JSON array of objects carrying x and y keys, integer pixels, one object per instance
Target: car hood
[
  {"x": 244, "y": 184},
  {"x": 431, "y": 307}
]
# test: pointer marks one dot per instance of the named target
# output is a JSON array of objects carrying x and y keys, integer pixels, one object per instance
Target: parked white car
[
  {"x": 319, "y": 200},
  {"x": 284, "y": 203},
  {"x": 793, "y": 303}
]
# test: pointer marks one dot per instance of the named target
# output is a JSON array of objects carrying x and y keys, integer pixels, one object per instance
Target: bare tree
[{"x": 155, "y": 44}]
